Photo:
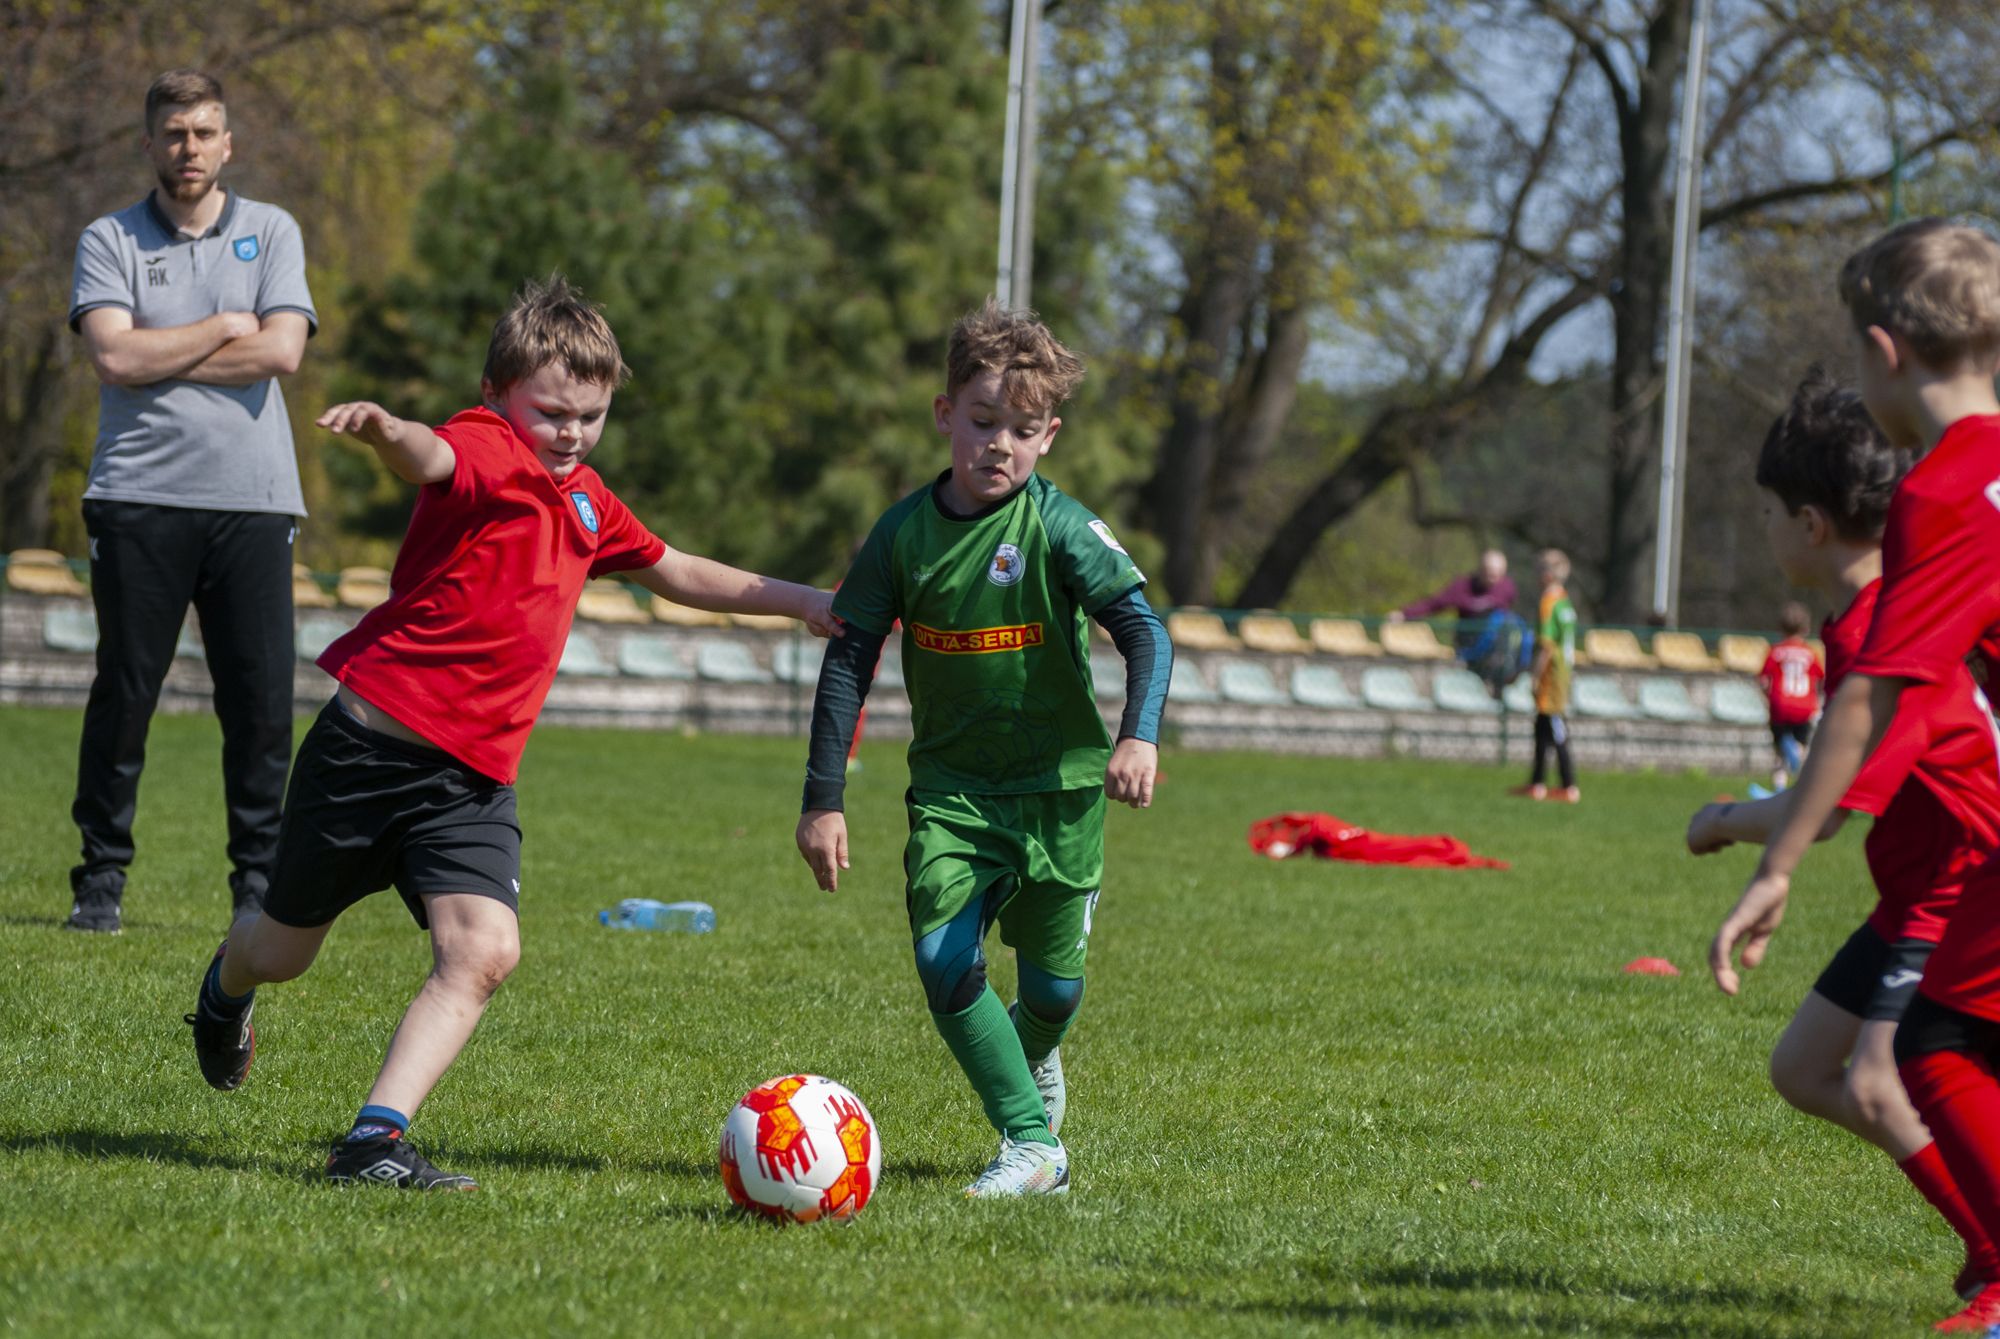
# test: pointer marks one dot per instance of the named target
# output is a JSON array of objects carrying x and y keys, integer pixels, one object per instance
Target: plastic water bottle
[{"x": 644, "y": 913}]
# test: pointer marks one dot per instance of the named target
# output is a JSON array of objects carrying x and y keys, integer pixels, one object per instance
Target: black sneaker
[
  {"x": 95, "y": 911},
  {"x": 388, "y": 1161},
  {"x": 224, "y": 1046}
]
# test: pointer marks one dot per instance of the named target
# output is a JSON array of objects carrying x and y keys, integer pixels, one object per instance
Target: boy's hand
[
  {"x": 1129, "y": 778},
  {"x": 369, "y": 422},
  {"x": 1751, "y": 924},
  {"x": 1704, "y": 836},
  {"x": 817, "y": 615},
  {"x": 822, "y": 838}
]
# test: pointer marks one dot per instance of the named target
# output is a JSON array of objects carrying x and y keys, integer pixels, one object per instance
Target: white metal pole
[
  {"x": 1017, "y": 55},
  {"x": 1022, "y": 279},
  {"x": 1680, "y": 327}
]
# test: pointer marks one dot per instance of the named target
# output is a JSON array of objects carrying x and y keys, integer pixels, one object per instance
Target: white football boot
[
  {"x": 1048, "y": 1078},
  {"x": 1023, "y": 1169}
]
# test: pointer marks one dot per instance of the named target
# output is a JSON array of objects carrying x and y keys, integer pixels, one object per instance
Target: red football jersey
[
  {"x": 1791, "y": 677},
  {"x": 1940, "y": 580},
  {"x": 483, "y": 592},
  {"x": 1933, "y": 786}
]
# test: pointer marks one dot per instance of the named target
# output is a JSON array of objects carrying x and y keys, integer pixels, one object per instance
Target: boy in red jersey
[
  {"x": 1826, "y": 474},
  {"x": 407, "y": 776},
  {"x": 1791, "y": 680},
  {"x": 1925, "y": 302}
]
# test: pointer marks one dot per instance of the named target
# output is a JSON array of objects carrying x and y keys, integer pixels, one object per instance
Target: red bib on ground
[{"x": 1323, "y": 835}]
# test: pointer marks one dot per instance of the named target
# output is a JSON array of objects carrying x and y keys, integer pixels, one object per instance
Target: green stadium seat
[
  {"x": 189, "y": 642},
  {"x": 1387, "y": 688},
  {"x": 582, "y": 659},
  {"x": 1599, "y": 695},
  {"x": 1188, "y": 685},
  {"x": 1668, "y": 700},
  {"x": 1323, "y": 686},
  {"x": 1250, "y": 684},
  {"x": 889, "y": 674},
  {"x": 1735, "y": 702},
  {"x": 645, "y": 655},
  {"x": 728, "y": 662},
  {"x": 1107, "y": 676},
  {"x": 796, "y": 659},
  {"x": 316, "y": 634},
  {"x": 70, "y": 628},
  {"x": 1520, "y": 696},
  {"x": 1463, "y": 691}
]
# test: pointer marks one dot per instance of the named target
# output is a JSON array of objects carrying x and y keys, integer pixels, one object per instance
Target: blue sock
[
  {"x": 215, "y": 1002},
  {"x": 376, "y": 1122}
]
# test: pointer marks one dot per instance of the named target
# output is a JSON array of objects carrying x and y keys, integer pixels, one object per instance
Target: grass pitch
[{"x": 1304, "y": 1096}]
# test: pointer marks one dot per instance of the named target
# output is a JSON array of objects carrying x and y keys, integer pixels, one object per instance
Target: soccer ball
[{"x": 800, "y": 1148}]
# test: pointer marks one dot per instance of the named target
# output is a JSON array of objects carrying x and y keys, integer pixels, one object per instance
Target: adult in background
[
  {"x": 1490, "y": 637},
  {"x": 192, "y": 303}
]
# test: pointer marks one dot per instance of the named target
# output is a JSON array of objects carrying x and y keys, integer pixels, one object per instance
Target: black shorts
[
  {"x": 365, "y": 811},
  {"x": 1799, "y": 730},
  {"x": 1872, "y": 978},
  {"x": 1930, "y": 1027}
]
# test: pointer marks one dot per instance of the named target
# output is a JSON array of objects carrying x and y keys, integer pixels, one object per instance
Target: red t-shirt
[
  {"x": 1791, "y": 677},
  {"x": 1933, "y": 786},
  {"x": 481, "y": 598}
]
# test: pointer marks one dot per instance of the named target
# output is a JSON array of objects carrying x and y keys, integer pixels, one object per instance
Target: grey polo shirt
[{"x": 183, "y": 443}]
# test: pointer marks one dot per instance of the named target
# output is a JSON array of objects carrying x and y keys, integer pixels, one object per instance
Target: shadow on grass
[
  {"x": 922, "y": 1169},
  {"x": 1533, "y": 1300},
  {"x": 143, "y": 1146},
  {"x": 543, "y": 1159}
]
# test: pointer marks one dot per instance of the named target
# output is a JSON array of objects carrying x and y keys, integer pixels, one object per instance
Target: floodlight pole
[
  {"x": 1680, "y": 329},
  {"x": 1017, "y": 166}
]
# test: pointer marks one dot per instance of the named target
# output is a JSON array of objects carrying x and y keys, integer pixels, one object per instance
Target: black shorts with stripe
[{"x": 1872, "y": 978}]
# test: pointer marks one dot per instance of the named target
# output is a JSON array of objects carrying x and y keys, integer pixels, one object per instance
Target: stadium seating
[
  {"x": 1520, "y": 696},
  {"x": 645, "y": 655},
  {"x": 1616, "y": 648},
  {"x": 1323, "y": 686},
  {"x": 68, "y": 628},
  {"x": 1201, "y": 630},
  {"x": 1187, "y": 685},
  {"x": 316, "y": 634},
  {"x": 1414, "y": 641},
  {"x": 1735, "y": 702},
  {"x": 307, "y": 593},
  {"x": 1274, "y": 633},
  {"x": 1463, "y": 691},
  {"x": 42, "y": 572},
  {"x": 1107, "y": 676},
  {"x": 681, "y": 616},
  {"x": 889, "y": 674},
  {"x": 1343, "y": 637},
  {"x": 189, "y": 642},
  {"x": 1684, "y": 651},
  {"x": 362, "y": 587},
  {"x": 762, "y": 622},
  {"x": 1742, "y": 654},
  {"x": 1668, "y": 700},
  {"x": 728, "y": 662},
  {"x": 796, "y": 659},
  {"x": 1387, "y": 688},
  {"x": 582, "y": 659},
  {"x": 1249, "y": 683},
  {"x": 610, "y": 602},
  {"x": 1599, "y": 695}
]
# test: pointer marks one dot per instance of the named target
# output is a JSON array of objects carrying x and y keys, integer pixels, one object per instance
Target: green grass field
[{"x": 1304, "y": 1096}]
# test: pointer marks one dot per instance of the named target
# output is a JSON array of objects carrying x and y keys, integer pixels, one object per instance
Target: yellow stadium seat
[
  {"x": 1742, "y": 654},
  {"x": 306, "y": 592},
  {"x": 1343, "y": 637},
  {"x": 683, "y": 617},
  {"x": 1274, "y": 633},
  {"x": 1616, "y": 648},
  {"x": 610, "y": 602},
  {"x": 1201, "y": 630},
  {"x": 764, "y": 622},
  {"x": 42, "y": 572},
  {"x": 362, "y": 587},
  {"x": 1413, "y": 640},
  {"x": 1684, "y": 651}
]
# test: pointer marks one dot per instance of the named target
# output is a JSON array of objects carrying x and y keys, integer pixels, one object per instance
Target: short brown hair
[
  {"x": 1036, "y": 371},
  {"x": 551, "y": 322},
  {"x": 1934, "y": 284},
  {"x": 1826, "y": 451},
  {"x": 180, "y": 88},
  {"x": 1793, "y": 619}
]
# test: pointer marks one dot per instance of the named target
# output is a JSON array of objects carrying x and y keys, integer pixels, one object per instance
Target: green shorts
[{"x": 1036, "y": 860}]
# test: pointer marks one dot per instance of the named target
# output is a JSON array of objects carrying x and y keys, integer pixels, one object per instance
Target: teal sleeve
[
  {"x": 1149, "y": 663},
  {"x": 1095, "y": 567}
]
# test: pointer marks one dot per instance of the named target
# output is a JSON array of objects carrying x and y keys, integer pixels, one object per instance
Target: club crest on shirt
[
  {"x": 246, "y": 248},
  {"x": 1007, "y": 566},
  {"x": 584, "y": 511}
]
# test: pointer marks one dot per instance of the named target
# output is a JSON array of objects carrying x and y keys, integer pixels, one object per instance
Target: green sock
[
  {"x": 1038, "y": 1035},
  {"x": 982, "y": 1040}
]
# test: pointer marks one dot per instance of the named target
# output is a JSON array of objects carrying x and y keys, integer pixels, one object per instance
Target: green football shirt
[{"x": 996, "y": 645}]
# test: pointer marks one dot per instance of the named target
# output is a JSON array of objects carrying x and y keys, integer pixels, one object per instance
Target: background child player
[
  {"x": 993, "y": 572},
  {"x": 407, "y": 776},
  {"x": 1791, "y": 680},
  {"x": 1826, "y": 474},
  {"x": 1555, "y": 653}
]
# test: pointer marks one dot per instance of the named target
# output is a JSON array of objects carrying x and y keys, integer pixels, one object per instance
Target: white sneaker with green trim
[
  {"x": 1021, "y": 1168},
  {"x": 1048, "y": 1078}
]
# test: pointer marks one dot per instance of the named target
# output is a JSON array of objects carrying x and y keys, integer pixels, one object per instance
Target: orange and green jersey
[{"x": 1555, "y": 628}]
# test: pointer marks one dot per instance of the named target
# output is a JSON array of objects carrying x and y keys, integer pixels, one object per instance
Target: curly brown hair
[
  {"x": 1825, "y": 451},
  {"x": 1036, "y": 372}
]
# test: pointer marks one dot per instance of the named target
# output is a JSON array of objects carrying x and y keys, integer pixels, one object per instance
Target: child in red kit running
[
  {"x": 1791, "y": 680},
  {"x": 1826, "y": 474},
  {"x": 407, "y": 776}
]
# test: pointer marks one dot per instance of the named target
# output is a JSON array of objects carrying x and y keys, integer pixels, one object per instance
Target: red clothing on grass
[
  {"x": 483, "y": 592},
  {"x": 1791, "y": 678},
  {"x": 1283, "y": 835}
]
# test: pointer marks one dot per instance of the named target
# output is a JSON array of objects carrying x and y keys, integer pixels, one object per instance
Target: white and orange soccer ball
[{"x": 800, "y": 1148}]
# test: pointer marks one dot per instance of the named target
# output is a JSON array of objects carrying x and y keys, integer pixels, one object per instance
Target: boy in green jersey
[{"x": 993, "y": 572}]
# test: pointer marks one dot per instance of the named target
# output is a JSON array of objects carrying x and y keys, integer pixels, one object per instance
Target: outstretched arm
[
  {"x": 1715, "y": 826},
  {"x": 703, "y": 583},
  {"x": 411, "y": 450},
  {"x": 125, "y": 355}
]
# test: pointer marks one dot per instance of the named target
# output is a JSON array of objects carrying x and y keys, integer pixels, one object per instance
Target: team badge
[
  {"x": 585, "y": 512},
  {"x": 1110, "y": 540},
  {"x": 1006, "y": 567},
  {"x": 246, "y": 248}
]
